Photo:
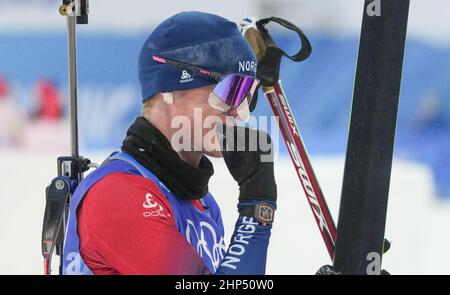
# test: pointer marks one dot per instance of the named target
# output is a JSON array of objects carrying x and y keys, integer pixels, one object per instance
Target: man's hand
[
  {"x": 249, "y": 158},
  {"x": 328, "y": 270}
]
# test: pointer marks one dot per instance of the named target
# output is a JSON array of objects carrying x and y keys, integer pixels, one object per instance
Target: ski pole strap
[
  {"x": 269, "y": 64},
  {"x": 305, "y": 49}
]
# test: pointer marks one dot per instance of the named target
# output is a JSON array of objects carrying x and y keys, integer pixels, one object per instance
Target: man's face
[{"x": 195, "y": 106}]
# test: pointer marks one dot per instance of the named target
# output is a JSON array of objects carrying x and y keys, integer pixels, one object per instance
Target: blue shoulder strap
[{"x": 72, "y": 262}]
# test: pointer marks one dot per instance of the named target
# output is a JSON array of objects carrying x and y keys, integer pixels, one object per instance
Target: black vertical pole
[{"x": 364, "y": 199}]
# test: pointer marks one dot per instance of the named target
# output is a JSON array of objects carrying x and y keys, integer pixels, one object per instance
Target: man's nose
[
  {"x": 233, "y": 113},
  {"x": 230, "y": 117}
]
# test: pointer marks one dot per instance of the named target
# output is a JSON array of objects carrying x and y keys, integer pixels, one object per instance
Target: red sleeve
[{"x": 126, "y": 226}]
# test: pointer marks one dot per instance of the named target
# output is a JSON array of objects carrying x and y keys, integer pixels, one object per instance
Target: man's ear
[
  {"x": 168, "y": 97},
  {"x": 147, "y": 103}
]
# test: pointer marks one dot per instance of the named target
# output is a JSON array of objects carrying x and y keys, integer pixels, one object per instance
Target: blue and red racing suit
[{"x": 123, "y": 220}]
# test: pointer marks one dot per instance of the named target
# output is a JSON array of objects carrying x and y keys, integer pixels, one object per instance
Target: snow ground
[{"x": 417, "y": 222}]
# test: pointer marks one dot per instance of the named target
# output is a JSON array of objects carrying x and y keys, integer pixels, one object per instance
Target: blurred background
[{"x": 34, "y": 127}]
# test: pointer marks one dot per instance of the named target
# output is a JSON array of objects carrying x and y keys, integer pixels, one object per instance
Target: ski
[{"x": 370, "y": 147}]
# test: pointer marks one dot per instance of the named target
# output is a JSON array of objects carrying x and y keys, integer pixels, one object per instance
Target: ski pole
[
  {"x": 300, "y": 159},
  {"x": 265, "y": 49}
]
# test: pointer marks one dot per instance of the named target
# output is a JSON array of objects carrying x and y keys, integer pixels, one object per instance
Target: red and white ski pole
[{"x": 267, "y": 57}]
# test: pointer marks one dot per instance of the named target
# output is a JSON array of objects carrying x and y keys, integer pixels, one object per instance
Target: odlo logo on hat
[{"x": 185, "y": 77}]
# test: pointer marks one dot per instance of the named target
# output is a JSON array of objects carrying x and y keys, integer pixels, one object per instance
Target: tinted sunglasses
[{"x": 232, "y": 89}]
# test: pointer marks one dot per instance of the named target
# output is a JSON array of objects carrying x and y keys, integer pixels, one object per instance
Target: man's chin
[{"x": 214, "y": 153}]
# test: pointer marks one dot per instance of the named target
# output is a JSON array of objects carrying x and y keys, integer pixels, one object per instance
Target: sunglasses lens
[{"x": 234, "y": 89}]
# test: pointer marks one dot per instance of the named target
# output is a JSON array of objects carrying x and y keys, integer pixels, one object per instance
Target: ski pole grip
[
  {"x": 256, "y": 41},
  {"x": 259, "y": 46}
]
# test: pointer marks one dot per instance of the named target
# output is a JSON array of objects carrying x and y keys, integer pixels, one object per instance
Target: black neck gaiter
[{"x": 154, "y": 151}]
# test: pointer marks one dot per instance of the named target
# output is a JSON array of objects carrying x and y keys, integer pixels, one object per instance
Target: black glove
[
  {"x": 249, "y": 158},
  {"x": 328, "y": 270},
  {"x": 248, "y": 155}
]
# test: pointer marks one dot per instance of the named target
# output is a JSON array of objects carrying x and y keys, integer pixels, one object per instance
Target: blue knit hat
[{"x": 197, "y": 38}]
